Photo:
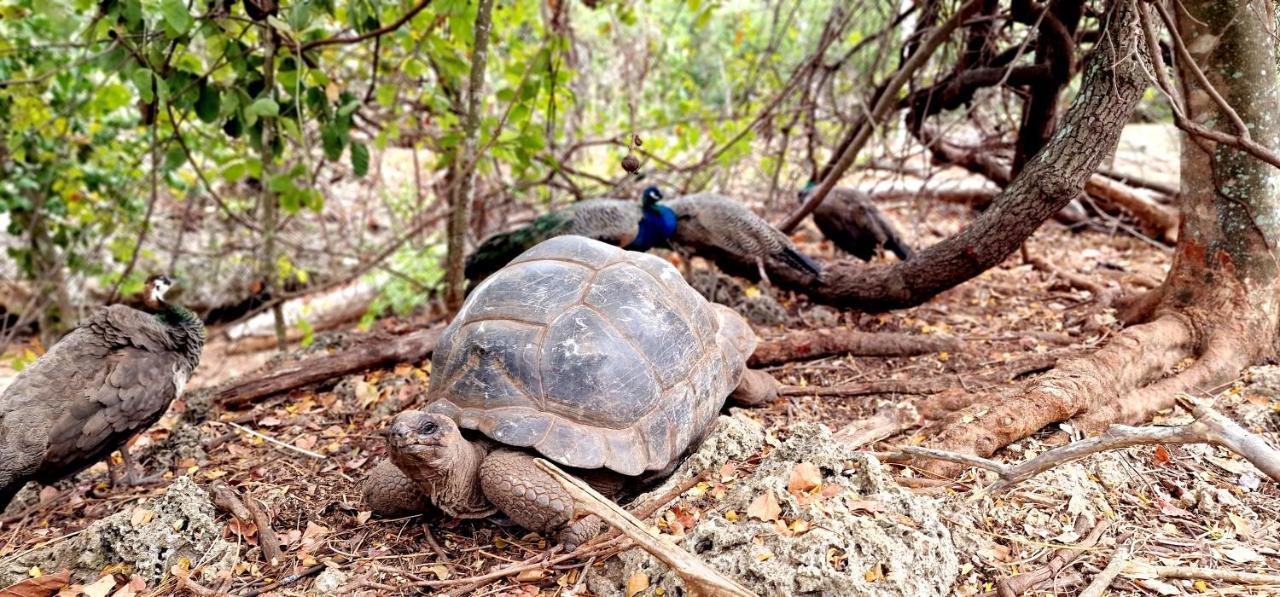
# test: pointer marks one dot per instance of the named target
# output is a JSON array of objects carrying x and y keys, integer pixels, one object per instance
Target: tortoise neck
[{"x": 452, "y": 481}]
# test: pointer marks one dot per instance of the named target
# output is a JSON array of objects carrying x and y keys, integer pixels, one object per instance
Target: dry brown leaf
[
  {"x": 439, "y": 570},
  {"x": 805, "y": 477},
  {"x": 140, "y": 517},
  {"x": 531, "y": 575},
  {"x": 727, "y": 472},
  {"x": 765, "y": 507},
  {"x": 871, "y": 506},
  {"x": 637, "y": 583},
  {"x": 1161, "y": 455},
  {"x": 42, "y": 586},
  {"x": 874, "y": 573},
  {"x": 99, "y": 588}
]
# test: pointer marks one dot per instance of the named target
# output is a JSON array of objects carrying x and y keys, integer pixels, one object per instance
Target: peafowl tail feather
[{"x": 800, "y": 261}]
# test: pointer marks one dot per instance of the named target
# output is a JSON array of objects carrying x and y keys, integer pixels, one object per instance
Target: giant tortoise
[{"x": 602, "y": 360}]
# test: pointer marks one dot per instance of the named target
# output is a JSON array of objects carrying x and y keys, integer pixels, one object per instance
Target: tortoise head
[{"x": 425, "y": 441}]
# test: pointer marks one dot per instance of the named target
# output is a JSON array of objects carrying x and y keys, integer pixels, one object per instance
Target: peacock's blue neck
[{"x": 657, "y": 225}]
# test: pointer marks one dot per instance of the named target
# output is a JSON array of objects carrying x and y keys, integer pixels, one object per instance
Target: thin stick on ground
[
  {"x": 248, "y": 511},
  {"x": 275, "y": 442},
  {"x": 1209, "y": 427},
  {"x": 1017, "y": 585},
  {"x": 1103, "y": 580},
  {"x": 698, "y": 577},
  {"x": 1134, "y": 570}
]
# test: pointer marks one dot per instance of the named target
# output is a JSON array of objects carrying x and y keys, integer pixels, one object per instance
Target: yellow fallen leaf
[
  {"x": 873, "y": 573},
  {"x": 439, "y": 570},
  {"x": 637, "y": 583},
  {"x": 730, "y": 516},
  {"x": 1201, "y": 586},
  {"x": 764, "y": 555}
]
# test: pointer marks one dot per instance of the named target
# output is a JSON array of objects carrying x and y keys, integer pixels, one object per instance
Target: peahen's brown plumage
[
  {"x": 710, "y": 224},
  {"x": 103, "y": 383}
]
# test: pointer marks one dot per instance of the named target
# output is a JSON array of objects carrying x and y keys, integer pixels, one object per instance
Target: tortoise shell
[{"x": 593, "y": 356}]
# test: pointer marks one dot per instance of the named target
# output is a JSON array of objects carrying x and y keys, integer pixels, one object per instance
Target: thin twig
[
  {"x": 277, "y": 442},
  {"x": 1103, "y": 580},
  {"x": 1191, "y": 572},
  {"x": 379, "y": 32}
]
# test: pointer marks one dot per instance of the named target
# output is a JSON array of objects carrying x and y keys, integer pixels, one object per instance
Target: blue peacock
[{"x": 705, "y": 224}]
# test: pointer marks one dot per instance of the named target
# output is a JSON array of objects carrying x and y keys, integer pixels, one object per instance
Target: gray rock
[
  {"x": 328, "y": 582},
  {"x": 870, "y": 524},
  {"x": 180, "y": 526}
]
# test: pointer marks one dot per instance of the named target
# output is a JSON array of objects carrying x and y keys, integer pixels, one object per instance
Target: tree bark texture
[
  {"x": 1218, "y": 303},
  {"x": 463, "y": 186}
]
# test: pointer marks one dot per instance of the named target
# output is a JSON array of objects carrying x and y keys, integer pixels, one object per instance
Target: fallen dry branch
[
  {"x": 249, "y": 512},
  {"x": 1101, "y": 294},
  {"x": 812, "y": 344},
  {"x": 1209, "y": 427},
  {"x": 411, "y": 348},
  {"x": 1103, "y": 580},
  {"x": 1157, "y": 220},
  {"x": 1017, "y": 585},
  {"x": 930, "y": 385},
  {"x": 1135, "y": 570},
  {"x": 605, "y": 544},
  {"x": 698, "y": 577},
  {"x": 886, "y": 422}
]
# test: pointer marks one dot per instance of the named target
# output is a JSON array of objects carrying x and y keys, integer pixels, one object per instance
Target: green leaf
[
  {"x": 263, "y": 107},
  {"x": 176, "y": 18},
  {"x": 174, "y": 157},
  {"x": 142, "y": 81},
  {"x": 208, "y": 104},
  {"x": 333, "y": 139},
  {"x": 360, "y": 159}
]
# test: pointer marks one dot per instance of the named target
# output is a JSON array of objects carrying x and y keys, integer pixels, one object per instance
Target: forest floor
[
  {"x": 1172, "y": 506},
  {"x": 303, "y": 454}
]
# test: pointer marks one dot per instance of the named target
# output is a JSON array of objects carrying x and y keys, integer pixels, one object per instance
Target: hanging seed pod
[
  {"x": 635, "y": 140},
  {"x": 631, "y": 163}
]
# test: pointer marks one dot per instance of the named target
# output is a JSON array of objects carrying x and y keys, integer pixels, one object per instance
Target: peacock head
[
  {"x": 804, "y": 193},
  {"x": 651, "y": 197},
  {"x": 157, "y": 286}
]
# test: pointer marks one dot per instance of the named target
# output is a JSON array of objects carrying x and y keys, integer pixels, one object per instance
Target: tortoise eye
[{"x": 429, "y": 427}]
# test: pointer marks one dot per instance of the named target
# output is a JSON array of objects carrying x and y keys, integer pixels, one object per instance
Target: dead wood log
[
  {"x": 929, "y": 385},
  {"x": 1157, "y": 220},
  {"x": 820, "y": 343},
  {"x": 409, "y": 348}
]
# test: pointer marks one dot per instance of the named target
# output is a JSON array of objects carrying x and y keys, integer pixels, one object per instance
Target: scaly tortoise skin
[{"x": 602, "y": 360}]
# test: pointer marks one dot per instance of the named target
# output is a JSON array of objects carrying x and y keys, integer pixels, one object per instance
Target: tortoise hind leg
[
  {"x": 514, "y": 483},
  {"x": 755, "y": 389}
]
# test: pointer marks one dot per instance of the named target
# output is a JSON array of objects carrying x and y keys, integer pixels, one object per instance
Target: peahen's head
[
  {"x": 804, "y": 193},
  {"x": 651, "y": 197},
  {"x": 156, "y": 287}
]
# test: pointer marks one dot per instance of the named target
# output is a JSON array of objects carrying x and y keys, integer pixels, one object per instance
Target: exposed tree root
[
  {"x": 1209, "y": 427},
  {"x": 1134, "y": 358},
  {"x": 820, "y": 343},
  {"x": 886, "y": 422}
]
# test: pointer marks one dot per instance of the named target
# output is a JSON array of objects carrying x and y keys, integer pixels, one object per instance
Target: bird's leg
[
  {"x": 130, "y": 477},
  {"x": 763, "y": 276}
]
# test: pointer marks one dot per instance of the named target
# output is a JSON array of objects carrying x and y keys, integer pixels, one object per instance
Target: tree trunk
[
  {"x": 270, "y": 207},
  {"x": 465, "y": 164},
  {"x": 1218, "y": 304}
]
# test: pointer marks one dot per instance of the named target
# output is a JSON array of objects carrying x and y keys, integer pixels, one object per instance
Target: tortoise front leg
[
  {"x": 389, "y": 492},
  {"x": 511, "y": 481}
]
